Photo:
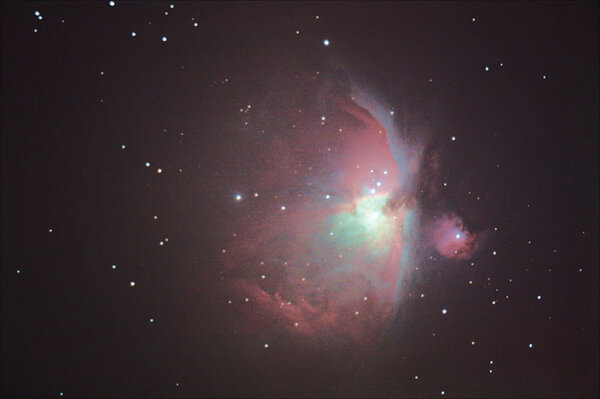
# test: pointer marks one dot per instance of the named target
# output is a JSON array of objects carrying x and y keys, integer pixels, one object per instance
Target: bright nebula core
[{"x": 330, "y": 260}]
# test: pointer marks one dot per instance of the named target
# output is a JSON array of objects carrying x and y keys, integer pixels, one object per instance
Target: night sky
[{"x": 300, "y": 199}]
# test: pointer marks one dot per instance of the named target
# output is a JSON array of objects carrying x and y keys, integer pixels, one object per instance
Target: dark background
[{"x": 71, "y": 324}]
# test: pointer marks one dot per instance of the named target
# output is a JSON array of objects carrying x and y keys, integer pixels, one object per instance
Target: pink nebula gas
[
  {"x": 326, "y": 254},
  {"x": 329, "y": 263},
  {"x": 452, "y": 240}
]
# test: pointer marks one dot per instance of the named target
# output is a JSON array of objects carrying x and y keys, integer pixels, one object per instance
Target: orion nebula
[
  {"x": 331, "y": 260},
  {"x": 299, "y": 199}
]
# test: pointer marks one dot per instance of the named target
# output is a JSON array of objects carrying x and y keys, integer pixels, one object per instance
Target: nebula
[
  {"x": 452, "y": 240},
  {"x": 327, "y": 258}
]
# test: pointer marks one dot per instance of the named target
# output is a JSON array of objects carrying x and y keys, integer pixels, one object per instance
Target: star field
[{"x": 299, "y": 199}]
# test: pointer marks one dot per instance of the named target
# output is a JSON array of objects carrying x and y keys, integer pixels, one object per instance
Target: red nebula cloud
[
  {"x": 452, "y": 240},
  {"x": 314, "y": 285}
]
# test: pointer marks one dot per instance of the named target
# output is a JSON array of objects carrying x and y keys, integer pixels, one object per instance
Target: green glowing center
[
  {"x": 365, "y": 224},
  {"x": 369, "y": 213}
]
